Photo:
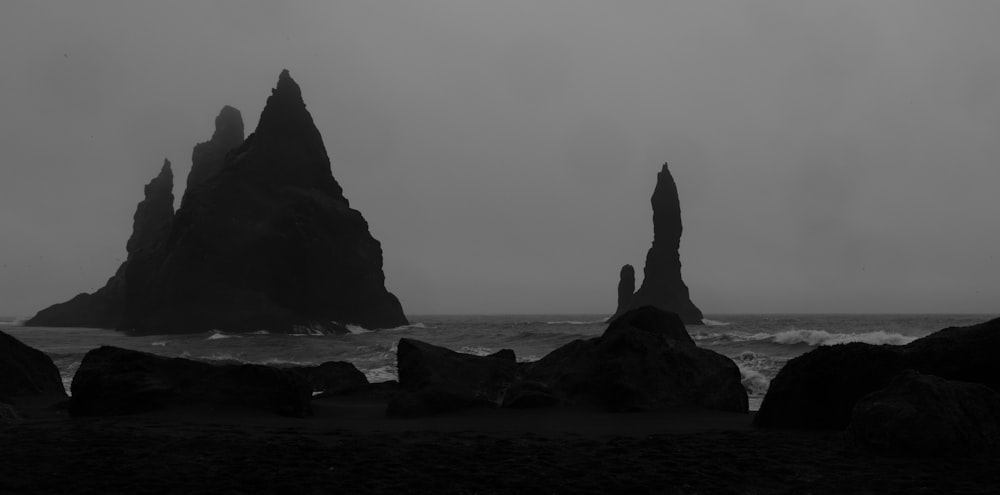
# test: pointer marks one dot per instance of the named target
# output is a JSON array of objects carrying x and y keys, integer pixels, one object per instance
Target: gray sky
[{"x": 830, "y": 156}]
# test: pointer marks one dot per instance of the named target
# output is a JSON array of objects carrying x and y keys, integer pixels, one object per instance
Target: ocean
[{"x": 759, "y": 344}]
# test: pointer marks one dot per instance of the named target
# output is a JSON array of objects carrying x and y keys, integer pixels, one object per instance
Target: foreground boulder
[
  {"x": 26, "y": 371},
  {"x": 819, "y": 389},
  {"x": 434, "y": 379},
  {"x": 923, "y": 415},
  {"x": 112, "y": 381},
  {"x": 333, "y": 377},
  {"x": 662, "y": 285},
  {"x": 645, "y": 360}
]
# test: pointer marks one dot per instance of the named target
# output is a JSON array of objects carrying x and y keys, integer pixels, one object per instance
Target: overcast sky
[{"x": 830, "y": 156}]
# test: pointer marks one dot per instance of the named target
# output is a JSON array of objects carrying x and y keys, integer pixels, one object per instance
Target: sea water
[{"x": 759, "y": 344}]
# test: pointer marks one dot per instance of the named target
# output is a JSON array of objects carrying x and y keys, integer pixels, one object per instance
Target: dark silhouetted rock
[
  {"x": 506, "y": 354},
  {"x": 923, "y": 415},
  {"x": 107, "y": 307},
  {"x": 645, "y": 360},
  {"x": 626, "y": 288},
  {"x": 263, "y": 240},
  {"x": 8, "y": 415},
  {"x": 433, "y": 379},
  {"x": 208, "y": 158},
  {"x": 113, "y": 381},
  {"x": 26, "y": 371},
  {"x": 333, "y": 377},
  {"x": 662, "y": 286},
  {"x": 820, "y": 388}
]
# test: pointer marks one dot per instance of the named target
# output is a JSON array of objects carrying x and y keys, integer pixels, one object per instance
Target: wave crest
[{"x": 812, "y": 338}]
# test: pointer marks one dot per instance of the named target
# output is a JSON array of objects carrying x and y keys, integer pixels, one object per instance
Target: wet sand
[{"x": 349, "y": 446}]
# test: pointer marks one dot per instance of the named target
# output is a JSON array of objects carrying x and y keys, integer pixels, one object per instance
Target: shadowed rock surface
[
  {"x": 434, "y": 379},
  {"x": 107, "y": 307},
  {"x": 333, "y": 377},
  {"x": 820, "y": 388},
  {"x": 209, "y": 157},
  {"x": 662, "y": 286},
  {"x": 264, "y": 239},
  {"x": 923, "y": 415},
  {"x": 26, "y": 371},
  {"x": 113, "y": 381},
  {"x": 626, "y": 288},
  {"x": 645, "y": 360}
]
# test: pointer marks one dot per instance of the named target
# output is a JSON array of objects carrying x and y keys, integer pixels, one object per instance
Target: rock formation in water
[
  {"x": 106, "y": 308},
  {"x": 264, "y": 239},
  {"x": 626, "y": 288},
  {"x": 662, "y": 286}
]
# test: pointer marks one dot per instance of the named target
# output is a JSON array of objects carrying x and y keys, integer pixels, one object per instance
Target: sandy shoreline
[{"x": 349, "y": 446}]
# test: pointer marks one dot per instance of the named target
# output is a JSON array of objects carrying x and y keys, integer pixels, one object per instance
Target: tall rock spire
[{"x": 662, "y": 285}]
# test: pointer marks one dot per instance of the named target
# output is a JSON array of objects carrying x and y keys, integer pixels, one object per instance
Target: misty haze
[{"x": 447, "y": 246}]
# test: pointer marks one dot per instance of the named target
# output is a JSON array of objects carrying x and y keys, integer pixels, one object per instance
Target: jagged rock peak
[
  {"x": 667, "y": 225},
  {"x": 285, "y": 112},
  {"x": 155, "y": 212},
  {"x": 208, "y": 157}
]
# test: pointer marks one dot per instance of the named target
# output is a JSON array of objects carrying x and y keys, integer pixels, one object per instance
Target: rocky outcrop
[
  {"x": 108, "y": 306},
  {"x": 626, "y": 288},
  {"x": 920, "y": 415},
  {"x": 209, "y": 157},
  {"x": 114, "y": 381},
  {"x": 819, "y": 389},
  {"x": 645, "y": 360},
  {"x": 26, "y": 371},
  {"x": 434, "y": 379},
  {"x": 264, "y": 239},
  {"x": 662, "y": 286},
  {"x": 333, "y": 377}
]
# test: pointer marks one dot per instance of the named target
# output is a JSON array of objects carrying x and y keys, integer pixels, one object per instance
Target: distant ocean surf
[{"x": 759, "y": 344}]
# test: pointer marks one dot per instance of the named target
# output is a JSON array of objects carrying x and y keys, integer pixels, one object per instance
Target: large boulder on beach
[
  {"x": 26, "y": 371},
  {"x": 819, "y": 389},
  {"x": 434, "y": 379},
  {"x": 645, "y": 360},
  {"x": 919, "y": 415},
  {"x": 662, "y": 285},
  {"x": 333, "y": 377},
  {"x": 113, "y": 381}
]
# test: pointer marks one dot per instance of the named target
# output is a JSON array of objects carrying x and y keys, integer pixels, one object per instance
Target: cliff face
[
  {"x": 264, "y": 239},
  {"x": 662, "y": 285},
  {"x": 208, "y": 158},
  {"x": 106, "y": 307}
]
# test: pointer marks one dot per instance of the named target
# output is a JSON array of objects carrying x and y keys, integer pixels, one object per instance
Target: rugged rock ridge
[
  {"x": 662, "y": 286},
  {"x": 106, "y": 307},
  {"x": 264, "y": 239},
  {"x": 208, "y": 158}
]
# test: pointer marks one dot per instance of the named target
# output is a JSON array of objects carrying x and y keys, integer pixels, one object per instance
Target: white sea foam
[
  {"x": 822, "y": 337},
  {"x": 576, "y": 322},
  {"x": 217, "y": 335},
  {"x": 357, "y": 329},
  {"x": 477, "y": 350},
  {"x": 160, "y": 343},
  {"x": 713, "y": 323},
  {"x": 381, "y": 374},
  {"x": 806, "y": 337}
]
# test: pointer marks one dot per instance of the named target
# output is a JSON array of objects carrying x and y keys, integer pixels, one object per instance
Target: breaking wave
[
  {"x": 812, "y": 338},
  {"x": 713, "y": 323}
]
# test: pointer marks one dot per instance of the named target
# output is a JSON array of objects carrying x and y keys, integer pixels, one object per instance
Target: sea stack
[
  {"x": 662, "y": 286},
  {"x": 106, "y": 308},
  {"x": 264, "y": 239}
]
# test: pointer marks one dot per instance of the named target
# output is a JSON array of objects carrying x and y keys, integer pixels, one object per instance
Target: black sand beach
[{"x": 349, "y": 446}]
